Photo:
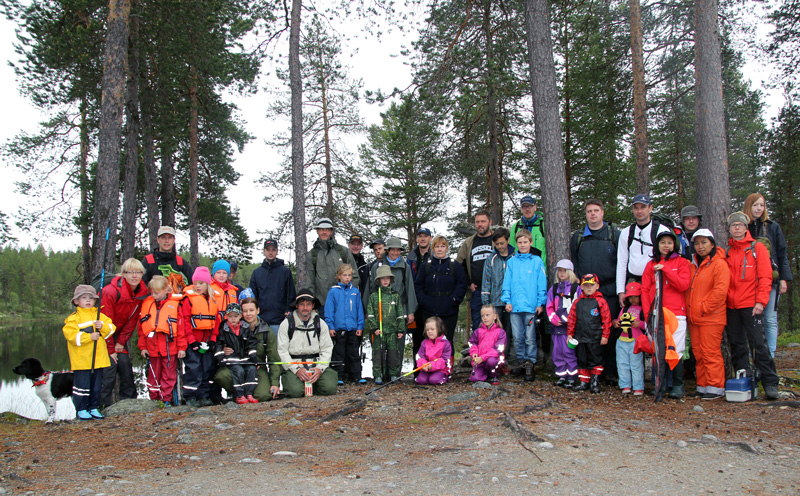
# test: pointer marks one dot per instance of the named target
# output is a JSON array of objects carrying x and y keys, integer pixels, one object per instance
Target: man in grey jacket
[{"x": 324, "y": 258}]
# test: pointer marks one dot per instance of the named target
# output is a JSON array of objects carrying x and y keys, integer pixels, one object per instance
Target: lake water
[{"x": 45, "y": 341}]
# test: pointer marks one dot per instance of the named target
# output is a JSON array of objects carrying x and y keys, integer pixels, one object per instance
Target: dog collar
[{"x": 41, "y": 381}]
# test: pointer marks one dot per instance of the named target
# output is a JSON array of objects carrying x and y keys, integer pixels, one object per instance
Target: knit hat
[
  {"x": 201, "y": 274},
  {"x": 565, "y": 264},
  {"x": 383, "y": 271},
  {"x": 690, "y": 211},
  {"x": 703, "y": 233},
  {"x": 589, "y": 279},
  {"x": 738, "y": 217},
  {"x": 221, "y": 265},
  {"x": 633, "y": 289},
  {"x": 83, "y": 289}
]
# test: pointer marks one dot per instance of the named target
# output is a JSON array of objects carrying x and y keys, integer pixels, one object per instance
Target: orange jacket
[
  {"x": 708, "y": 290},
  {"x": 751, "y": 273}
]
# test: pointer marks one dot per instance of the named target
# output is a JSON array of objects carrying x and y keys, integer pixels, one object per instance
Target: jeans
[
  {"x": 523, "y": 328},
  {"x": 771, "y": 321},
  {"x": 629, "y": 366},
  {"x": 475, "y": 308}
]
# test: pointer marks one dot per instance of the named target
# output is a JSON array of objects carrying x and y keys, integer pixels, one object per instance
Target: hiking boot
[
  {"x": 581, "y": 386},
  {"x": 771, "y": 392},
  {"x": 529, "y": 371},
  {"x": 95, "y": 413},
  {"x": 560, "y": 382},
  {"x": 393, "y": 378},
  {"x": 241, "y": 400},
  {"x": 251, "y": 399},
  {"x": 378, "y": 381},
  {"x": 84, "y": 415},
  {"x": 594, "y": 384},
  {"x": 676, "y": 392},
  {"x": 711, "y": 396}
]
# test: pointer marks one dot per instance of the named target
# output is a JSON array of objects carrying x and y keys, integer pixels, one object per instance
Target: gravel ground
[{"x": 407, "y": 439}]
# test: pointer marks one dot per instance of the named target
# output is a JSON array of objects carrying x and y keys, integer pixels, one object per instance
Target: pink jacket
[
  {"x": 431, "y": 349},
  {"x": 487, "y": 342},
  {"x": 640, "y": 326}
]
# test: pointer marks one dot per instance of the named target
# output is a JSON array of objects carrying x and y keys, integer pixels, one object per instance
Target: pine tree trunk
[
  {"x": 327, "y": 143},
  {"x": 86, "y": 249},
  {"x": 495, "y": 200},
  {"x": 150, "y": 172},
  {"x": 639, "y": 100},
  {"x": 167, "y": 185},
  {"x": 130, "y": 187},
  {"x": 194, "y": 250},
  {"x": 547, "y": 122},
  {"x": 106, "y": 198},
  {"x": 713, "y": 189},
  {"x": 298, "y": 180}
]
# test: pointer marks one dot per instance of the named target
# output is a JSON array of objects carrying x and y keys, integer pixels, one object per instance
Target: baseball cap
[
  {"x": 589, "y": 279},
  {"x": 643, "y": 199},
  {"x": 424, "y": 230},
  {"x": 527, "y": 199},
  {"x": 165, "y": 230},
  {"x": 355, "y": 238}
]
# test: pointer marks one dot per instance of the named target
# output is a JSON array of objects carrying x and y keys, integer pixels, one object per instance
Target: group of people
[{"x": 257, "y": 341}]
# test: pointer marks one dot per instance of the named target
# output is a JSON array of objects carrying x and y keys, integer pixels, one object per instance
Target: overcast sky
[{"x": 374, "y": 61}]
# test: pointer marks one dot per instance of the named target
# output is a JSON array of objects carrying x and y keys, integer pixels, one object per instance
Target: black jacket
[
  {"x": 243, "y": 346},
  {"x": 440, "y": 284},
  {"x": 773, "y": 231},
  {"x": 596, "y": 254},
  {"x": 273, "y": 285}
]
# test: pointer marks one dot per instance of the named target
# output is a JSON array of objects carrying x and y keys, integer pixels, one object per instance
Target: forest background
[{"x": 456, "y": 135}]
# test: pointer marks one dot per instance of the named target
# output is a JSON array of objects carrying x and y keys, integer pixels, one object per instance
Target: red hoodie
[
  {"x": 677, "y": 276},
  {"x": 751, "y": 274}
]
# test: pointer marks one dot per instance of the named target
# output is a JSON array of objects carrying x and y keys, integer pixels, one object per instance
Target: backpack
[
  {"x": 657, "y": 220},
  {"x": 610, "y": 237},
  {"x": 96, "y": 284},
  {"x": 339, "y": 248},
  {"x": 766, "y": 242},
  {"x": 572, "y": 290},
  {"x": 317, "y": 327}
]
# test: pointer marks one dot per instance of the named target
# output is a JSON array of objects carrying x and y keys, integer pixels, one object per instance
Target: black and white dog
[{"x": 50, "y": 386}]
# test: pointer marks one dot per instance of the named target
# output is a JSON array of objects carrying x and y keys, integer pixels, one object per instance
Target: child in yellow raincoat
[{"x": 83, "y": 330}]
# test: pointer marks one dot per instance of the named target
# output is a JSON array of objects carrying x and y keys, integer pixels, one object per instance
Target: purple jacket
[{"x": 558, "y": 305}]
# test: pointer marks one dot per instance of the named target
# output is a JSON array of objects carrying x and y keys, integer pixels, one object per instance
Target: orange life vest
[
  {"x": 204, "y": 311},
  {"x": 226, "y": 297},
  {"x": 163, "y": 319}
]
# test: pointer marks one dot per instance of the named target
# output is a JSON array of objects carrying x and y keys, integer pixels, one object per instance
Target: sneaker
[
  {"x": 711, "y": 396},
  {"x": 495, "y": 382},
  {"x": 251, "y": 399},
  {"x": 341, "y": 383},
  {"x": 362, "y": 381},
  {"x": 639, "y": 392},
  {"x": 241, "y": 400},
  {"x": 771, "y": 392},
  {"x": 560, "y": 382},
  {"x": 95, "y": 413},
  {"x": 84, "y": 415},
  {"x": 626, "y": 390},
  {"x": 378, "y": 381}
]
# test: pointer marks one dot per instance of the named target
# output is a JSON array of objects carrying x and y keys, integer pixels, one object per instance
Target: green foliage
[{"x": 34, "y": 282}]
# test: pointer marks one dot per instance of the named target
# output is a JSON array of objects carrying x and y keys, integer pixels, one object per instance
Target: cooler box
[{"x": 739, "y": 389}]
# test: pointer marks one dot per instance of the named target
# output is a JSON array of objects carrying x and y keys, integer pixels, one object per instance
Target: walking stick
[
  {"x": 404, "y": 375},
  {"x": 177, "y": 391},
  {"x": 100, "y": 296}
]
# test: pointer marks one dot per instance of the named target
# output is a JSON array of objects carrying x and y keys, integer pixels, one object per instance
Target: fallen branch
[
  {"x": 537, "y": 407},
  {"x": 352, "y": 408},
  {"x": 534, "y": 453},
  {"x": 519, "y": 430}
]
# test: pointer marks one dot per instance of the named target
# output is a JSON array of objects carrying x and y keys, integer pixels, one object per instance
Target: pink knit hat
[{"x": 201, "y": 274}]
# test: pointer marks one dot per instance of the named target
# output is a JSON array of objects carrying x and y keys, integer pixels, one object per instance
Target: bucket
[{"x": 572, "y": 343}]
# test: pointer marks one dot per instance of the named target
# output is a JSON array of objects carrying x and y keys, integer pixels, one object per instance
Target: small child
[
  {"x": 629, "y": 365},
  {"x": 236, "y": 349},
  {"x": 525, "y": 294},
  {"x": 434, "y": 354},
  {"x": 344, "y": 314},
  {"x": 590, "y": 323},
  {"x": 559, "y": 302},
  {"x": 87, "y": 358},
  {"x": 488, "y": 342},
  {"x": 220, "y": 282},
  {"x": 200, "y": 320},
  {"x": 387, "y": 320},
  {"x": 161, "y": 340}
]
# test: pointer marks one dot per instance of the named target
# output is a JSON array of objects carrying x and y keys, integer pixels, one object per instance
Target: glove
[
  {"x": 212, "y": 345},
  {"x": 194, "y": 346}
]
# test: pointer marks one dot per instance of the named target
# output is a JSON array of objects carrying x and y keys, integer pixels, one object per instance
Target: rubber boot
[
  {"x": 581, "y": 386},
  {"x": 594, "y": 384},
  {"x": 676, "y": 392}
]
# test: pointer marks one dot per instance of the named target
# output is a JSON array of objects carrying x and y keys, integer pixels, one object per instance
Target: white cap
[
  {"x": 565, "y": 264},
  {"x": 706, "y": 233},
  {"x": 165, "y": 230}
]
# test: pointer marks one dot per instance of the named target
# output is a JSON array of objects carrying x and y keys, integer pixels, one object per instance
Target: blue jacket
[
  {"x": 494, "y": 270},
  {"x": 440, "y": 285},
  {"x": 343, "y": 308},
  {"x": 525, "y": 283},
  {"x": 273, "y": 285}
]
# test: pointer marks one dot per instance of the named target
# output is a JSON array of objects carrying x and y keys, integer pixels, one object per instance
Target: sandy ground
[{"x": 407, "y": 439}]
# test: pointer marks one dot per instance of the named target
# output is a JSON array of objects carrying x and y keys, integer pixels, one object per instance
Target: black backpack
[
  {"x": 317, "y": 327},
  {"x": 657, "y": 220},
  {"x": 610, "y": 237}
]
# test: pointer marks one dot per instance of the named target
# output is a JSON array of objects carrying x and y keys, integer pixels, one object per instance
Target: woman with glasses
[{"x": 122, "y": 302}]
